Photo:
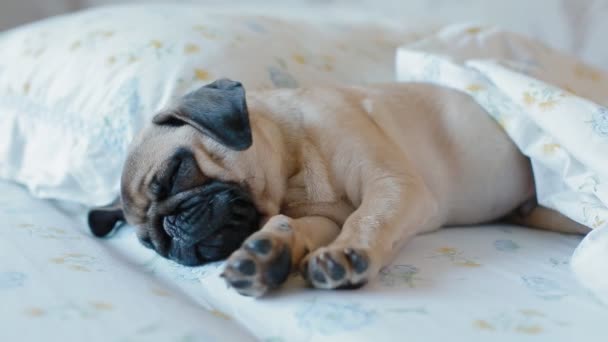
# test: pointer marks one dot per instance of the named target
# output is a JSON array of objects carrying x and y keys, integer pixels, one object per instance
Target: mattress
[{"x": 499, "y": 283}]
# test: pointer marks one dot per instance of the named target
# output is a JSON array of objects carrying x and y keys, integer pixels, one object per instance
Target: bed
[
  {"x": 492, "y": 282},
  {"x": 499, "y": 283}
]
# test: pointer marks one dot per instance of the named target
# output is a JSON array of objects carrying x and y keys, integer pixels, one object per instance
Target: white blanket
[{"x": 551, "y": 105}]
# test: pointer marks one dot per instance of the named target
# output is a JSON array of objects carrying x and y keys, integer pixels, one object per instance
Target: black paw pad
[
  {"x": 358, "y": 262},
  {"x": 318, "y": 276},
  {"x": 245, "y": 266},
  {"x": 352, "y": 286},
  {"x": 285, "y": 227},
  {"x": 278, "y": 269},
  {"x": 262, "y": 246},
  {"x": 335, "y": 270},
  {"x": 240, "y": 284}
]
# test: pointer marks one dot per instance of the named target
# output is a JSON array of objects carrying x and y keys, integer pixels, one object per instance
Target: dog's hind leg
[{"x": 531, "y": 214}]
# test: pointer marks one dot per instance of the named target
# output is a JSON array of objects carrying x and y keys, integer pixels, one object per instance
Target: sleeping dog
[{"x": 330, "y": 182}]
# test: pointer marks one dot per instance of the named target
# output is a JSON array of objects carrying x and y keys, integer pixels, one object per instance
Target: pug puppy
[{"x": 330, "y": 181}]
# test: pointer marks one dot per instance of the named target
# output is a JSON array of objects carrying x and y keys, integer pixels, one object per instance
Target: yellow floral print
[
  {"x": 483, "y": 325},
  {"x": 191, "y": 48},
  {"x": 160, "y": 292},
  {"x": 75, "y": 45},
  {"x": 34, "y": 312},
  {"x": 547, "y": 105},
  {"x": 550, "y": 148},
  {"x": 447, "y": 251},
  {"x": 598, "y": 222},
  {"x": 475, "y": 87},
  {"x": 102, "y": 306},
  {"x": 456, "y": 257},
  {"x": 76, "y": 262},
  {"x": 201, "y": 74},
  {"x": 531, "y": 313},
  {"x": 503, "y": 121},
  {"x": 54, "y": 233},
  {"x": 156, "y": 44},
  {"x": 468, "y": 263},
  {"x": 474, "y": 30},
  {"x": 205, "y": 31},
  {"x": 220, "y": 314},
  {"x": 299, "y": 59},
  {"x": 529, "y": 99},
  {"x": 529, "y": 329}
]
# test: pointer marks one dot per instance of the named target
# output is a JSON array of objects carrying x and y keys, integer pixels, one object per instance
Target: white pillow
[{"x": 75, "y": 89}]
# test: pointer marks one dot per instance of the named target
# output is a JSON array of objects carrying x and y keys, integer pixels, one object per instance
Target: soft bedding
[
  {"x": 58, "y": 283},
  {"x": 499, "y": 283},
  {"x": 576, "y": 26},
  {"x": 551, "y": 105},
  {"x": 75, "y": 89}
]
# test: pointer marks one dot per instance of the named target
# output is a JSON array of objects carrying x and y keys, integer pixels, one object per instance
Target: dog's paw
[
  {"x": 337, "y": 268},
  {"x": 261, "y": 264}
]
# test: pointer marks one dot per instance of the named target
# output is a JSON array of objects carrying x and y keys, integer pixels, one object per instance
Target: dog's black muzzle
[{"x": 206, "y": 223}]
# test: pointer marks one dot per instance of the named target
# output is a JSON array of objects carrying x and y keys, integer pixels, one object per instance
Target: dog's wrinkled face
[{"x": 179, "y": 185}]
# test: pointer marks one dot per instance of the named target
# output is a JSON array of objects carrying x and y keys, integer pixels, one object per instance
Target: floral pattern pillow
[{"x": 75, "y": 89}]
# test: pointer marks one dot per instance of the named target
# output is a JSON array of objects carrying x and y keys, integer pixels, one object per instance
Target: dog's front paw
[
  {"x": 337, "y": 268},
  {"x": 261, "y": 264}
]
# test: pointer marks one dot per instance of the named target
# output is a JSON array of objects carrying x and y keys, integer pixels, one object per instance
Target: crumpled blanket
[{"x": 554, "y": 109}]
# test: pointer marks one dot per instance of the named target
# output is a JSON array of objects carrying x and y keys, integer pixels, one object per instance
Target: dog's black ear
[
  {"x": 102, "y": 220},
  {"x": 218, "y": 110}
]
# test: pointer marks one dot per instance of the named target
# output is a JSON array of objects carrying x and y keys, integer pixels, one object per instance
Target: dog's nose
[
  {"x": 186, "y": 227},
  {"x": 184, "y": 255},
  {"x": 211, "y": 224},
  {"x": 217, "y": 247},
  {"x": 185, "y": 238}
]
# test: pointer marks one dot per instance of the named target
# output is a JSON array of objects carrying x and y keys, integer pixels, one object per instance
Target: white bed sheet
[
  {"x": 499, "y": 283},
  {"x": 58, "y": 283},
  {"x": 489, "y": 283}
]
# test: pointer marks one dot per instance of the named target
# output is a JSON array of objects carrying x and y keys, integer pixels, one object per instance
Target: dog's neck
[
  {"x": 289, "y": 155},
  {"x": 279, "y": 155}
]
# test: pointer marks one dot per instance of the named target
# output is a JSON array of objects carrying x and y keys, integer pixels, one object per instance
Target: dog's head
[{"x": 184, "y": 183}]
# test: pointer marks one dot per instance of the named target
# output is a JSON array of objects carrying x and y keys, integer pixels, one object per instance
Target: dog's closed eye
[
  {"x": 164, "y": 182},
  {"x": 180, "y": 174}
]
